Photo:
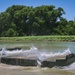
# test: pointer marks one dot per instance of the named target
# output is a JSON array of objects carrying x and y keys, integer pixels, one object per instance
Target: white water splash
[
  {"x": 39, "y": 63},
  {"x": 3, "y": 52},
  {"x": 53, "y": 56},
  {"x": 34, "y": 53},
  {"x": 69, "y": 67},
  {"x": 19, "y": 53}
]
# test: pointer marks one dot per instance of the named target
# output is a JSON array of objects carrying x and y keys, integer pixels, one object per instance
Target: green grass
[{"x": 39, "y": 38}]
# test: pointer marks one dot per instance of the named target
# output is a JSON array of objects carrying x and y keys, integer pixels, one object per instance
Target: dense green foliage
[{"x": 20, "y": 20}]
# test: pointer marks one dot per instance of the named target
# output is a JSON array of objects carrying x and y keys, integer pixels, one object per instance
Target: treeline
[{"x": 19, "y": 20}]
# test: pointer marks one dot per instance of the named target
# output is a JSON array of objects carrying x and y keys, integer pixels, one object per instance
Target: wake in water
[
  {"x": 34, "y": 53},
  {"x": 53, "y": 56},
  {"x": 18, "y": 53}
]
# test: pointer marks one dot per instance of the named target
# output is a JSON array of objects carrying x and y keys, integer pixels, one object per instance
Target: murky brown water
[{"x": 19, "y": 70}]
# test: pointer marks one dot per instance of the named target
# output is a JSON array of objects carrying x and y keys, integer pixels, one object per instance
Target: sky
[{"x": 67, "y": 5}]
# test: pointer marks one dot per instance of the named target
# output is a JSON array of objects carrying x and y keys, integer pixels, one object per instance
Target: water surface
[{"x": 42, "y": 46}]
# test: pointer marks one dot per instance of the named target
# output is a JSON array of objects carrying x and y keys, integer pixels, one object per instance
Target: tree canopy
[{"x": 19, "y": 20}]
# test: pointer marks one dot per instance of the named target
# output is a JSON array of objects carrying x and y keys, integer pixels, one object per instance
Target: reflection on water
[{"x": 42, "y": 46}]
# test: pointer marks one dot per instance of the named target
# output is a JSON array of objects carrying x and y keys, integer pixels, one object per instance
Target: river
[{"x": 44, "y": 47}]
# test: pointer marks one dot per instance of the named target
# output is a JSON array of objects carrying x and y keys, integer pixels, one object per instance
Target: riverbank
[{"x": 38, "y": 38}]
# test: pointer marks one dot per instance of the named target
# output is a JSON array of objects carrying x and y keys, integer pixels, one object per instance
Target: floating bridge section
[
  {"x": 19, "y": 61},
  {"x": 33, "y": 62},
  {"x": 33, "y": 58}
]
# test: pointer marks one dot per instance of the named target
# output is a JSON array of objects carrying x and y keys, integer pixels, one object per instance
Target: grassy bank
[{"x": 39, "y": 38}]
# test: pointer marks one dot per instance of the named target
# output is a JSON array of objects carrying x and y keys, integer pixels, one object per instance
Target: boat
[{"x": 59, "y": 62}]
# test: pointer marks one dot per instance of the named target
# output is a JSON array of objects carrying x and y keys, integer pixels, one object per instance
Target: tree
[
  {"x": 4, "y": 22},
  {"x": 10, "y": 33},
  {"x": 20, "y": 20},
  {"x": 61, "y": 28}
]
